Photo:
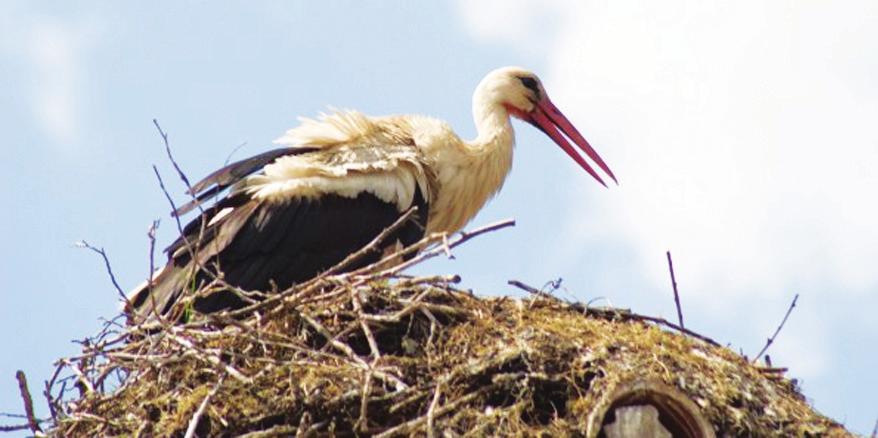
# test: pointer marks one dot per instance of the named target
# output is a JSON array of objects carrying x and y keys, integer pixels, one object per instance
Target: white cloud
[
  {"x": 743, "y": 134},
  {"x": 53, "y": 51},
  {"x": 528, "y": 24},
  {"x": 741, "y": 141},
  {"x": 50, "y": 52}
]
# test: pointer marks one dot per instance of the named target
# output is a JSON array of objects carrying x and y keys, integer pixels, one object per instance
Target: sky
[{"x": 742, "y": 134}]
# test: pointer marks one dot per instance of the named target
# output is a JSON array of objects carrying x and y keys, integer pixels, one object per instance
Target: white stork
[{"x": 296, "y": 211}]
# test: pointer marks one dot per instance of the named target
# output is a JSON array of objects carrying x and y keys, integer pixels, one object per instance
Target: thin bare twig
[
  {"x": 623, "y": 314},
  {"x": 362, "y": 423},
  {"x": 875, "y": 430},
  {"x": 372, "y": 245},
  {"x": 211, "y": 358},
  {"x": 54, "y": 403},
  {"x": 410, "y": 426},
  {"x": 676, "y": 294},
  {"x": 103, "y": 254},
  {"x": 463, "y": 237},
  {"x": 151, "y": 235},
  {"x": 170, "y": 200},
  {"x": 193, "y": 423},
  {"x": 14, "y": 428},
  {"x": 358, "y": 308},
  {"x": 171, "y": 157},
  {"x": 8, "y": 415},
  {"x": 32, "y": 421},
  {"x": 431, "y": 411},
  {"x": 779, "y": 327},
  {"x": 529, "y": 289}
]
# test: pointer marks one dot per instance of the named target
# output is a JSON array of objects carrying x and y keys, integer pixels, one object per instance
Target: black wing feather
[
  {"x": 262, "y": 244},
  {"x": 228, "y": 175},
  {"x": 285, "y": 244},
  {"x": 259, "y": 244}
]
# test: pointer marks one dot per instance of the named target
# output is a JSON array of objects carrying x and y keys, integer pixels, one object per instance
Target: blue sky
[{"x": 742, "y": 134}]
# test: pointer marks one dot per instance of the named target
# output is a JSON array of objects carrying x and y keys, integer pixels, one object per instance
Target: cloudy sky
[{"x": 742, "y": 134}]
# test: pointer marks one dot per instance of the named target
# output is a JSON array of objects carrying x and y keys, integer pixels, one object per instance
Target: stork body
[{"x": 296, "y": 211}]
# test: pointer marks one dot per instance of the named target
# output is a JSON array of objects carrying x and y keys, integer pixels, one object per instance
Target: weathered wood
[
  {"x": 637, "y": 421},
  {"x": 675, "y": 414}
]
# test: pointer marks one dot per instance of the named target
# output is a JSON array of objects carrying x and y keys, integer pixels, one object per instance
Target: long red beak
[{"x": 548, "y": 118}]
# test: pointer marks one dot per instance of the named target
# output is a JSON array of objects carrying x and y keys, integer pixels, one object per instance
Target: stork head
[{"x": 522, "y": 95}]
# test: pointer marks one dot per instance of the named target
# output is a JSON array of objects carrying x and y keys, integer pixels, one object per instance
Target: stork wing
[
  {"x": 228, "y": 175},
  {"x": 257, "y": 243}
]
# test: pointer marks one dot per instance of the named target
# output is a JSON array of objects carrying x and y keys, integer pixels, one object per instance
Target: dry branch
[
  {"x": 103, "y": 254},
  {"x": 193, "y": 423},
  {"x": 779, "y": 327},
  {"x": 613, "y": 313},
  {"x": 32, "y": 421},
  {"x": 381, "y": 353},
  {"x": 676, "y": 294}
]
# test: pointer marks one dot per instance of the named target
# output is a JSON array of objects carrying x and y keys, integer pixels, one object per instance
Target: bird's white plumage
[
  {"x": 294, "y": 212},
  {"x": 392, "y": 156},
  {"x": 356, "y": 154}
]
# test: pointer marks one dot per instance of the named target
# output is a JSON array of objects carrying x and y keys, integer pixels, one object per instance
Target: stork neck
[{"x": 493, "y": 127}]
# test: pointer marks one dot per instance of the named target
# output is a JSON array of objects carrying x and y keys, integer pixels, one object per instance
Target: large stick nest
[{"x": 379, "y": 353}]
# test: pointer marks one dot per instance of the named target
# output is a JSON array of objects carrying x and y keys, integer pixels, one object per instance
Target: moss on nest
[{"x": 370, "y": 356}]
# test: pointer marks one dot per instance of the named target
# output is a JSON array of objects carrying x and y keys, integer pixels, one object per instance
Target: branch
[
  {"x": 442, "y": 249},
  {"x": 28, "y": 402},
  {"x": 623, "y": 314},
  {"x": 374, "y": 245},
  {"x": 84, "y": 244},
  {"x": 193, "y": 423},
  {"x": 171, "y": 157},
  {"x": 676, "y": 294},
  {"x": 14, "y": 428},
  {"x": 170, "y": 200},
  {"x": 431, "y": 411},
  {"x": 771, "y": 339},
  {"x": 529, "y": 289}
]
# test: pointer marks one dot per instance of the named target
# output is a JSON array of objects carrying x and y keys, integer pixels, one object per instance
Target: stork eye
[{"x": 531, "y": 84}]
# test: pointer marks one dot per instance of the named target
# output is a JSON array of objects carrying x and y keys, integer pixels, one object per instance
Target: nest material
[
  {"x": 414, "y": 356},
  {"x": 374, "y": 352}
]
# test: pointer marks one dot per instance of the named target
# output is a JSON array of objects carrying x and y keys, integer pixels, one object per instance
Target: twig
[
  {"x": 212, "y": 358},
  {"x": 875, "y": 430},
  {"x": 170, "y": 200},
  {"x": 408, "y": 427},
  {"x": 362, "y": 423},
  {"x": 464, "y": 236},
  {"x": 358, "y": 308},
  {"x": 193, "y": 423},
  {"x": 664, "y": 322},
  {"x": 103, "y": 254},
  {"x": 171, "y": 156},
  {"x": 304, "y": 422},
  {"x": 676, "y": 294},
  {"x": 151, "y": 235},
  {"x": 372, "y": 245},
  {"x": 14, "y": 428},
  {"x": 53, "y": 403},
  {"x": 8, "y": 415},
  {"x": 431, "y": 411},
  {"x": 529, "y": 289},
  {"x": 367, "y": 273},
  {"x": 28, "y": 402},
  {"x": 771, "y": 339},
  {"x": 84, "y": 384},
  {"x": 623, "y": 314}
]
